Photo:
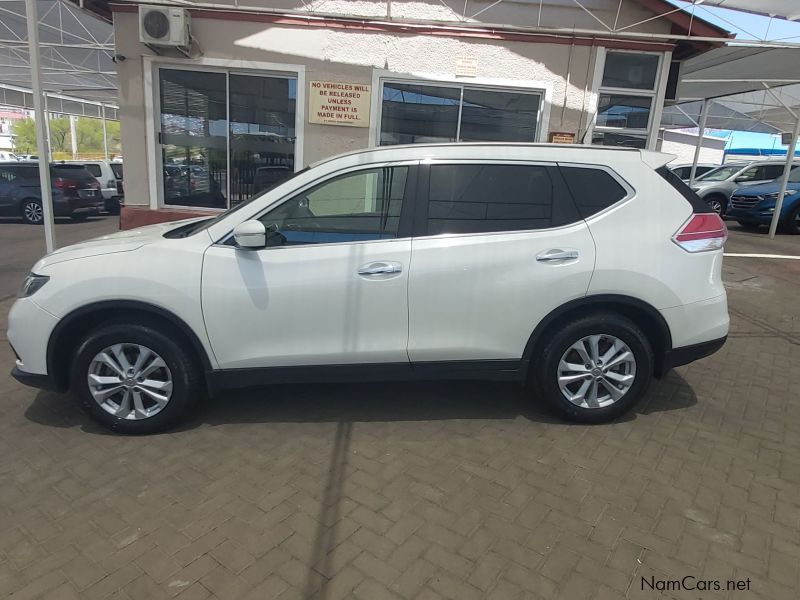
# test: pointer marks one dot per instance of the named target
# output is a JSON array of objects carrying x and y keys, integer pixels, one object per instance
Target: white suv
[
  {"x": 105, "y": 172},
  {"x": 584, "y": 271}
]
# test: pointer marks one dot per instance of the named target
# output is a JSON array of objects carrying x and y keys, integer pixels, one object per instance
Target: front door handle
[
  {"x": 557, "y": 255},
  {"x": 380, "y": 268}
]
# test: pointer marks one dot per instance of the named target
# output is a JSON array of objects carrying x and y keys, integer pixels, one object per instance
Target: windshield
[{"x": 720, "y": 174}]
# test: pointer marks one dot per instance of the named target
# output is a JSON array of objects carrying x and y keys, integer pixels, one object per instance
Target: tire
[
  {"x": 749, "y": 226},
  {"x": 717, "y": 203},
  {"x": 112, "y": 206},
  {"x": 31, "y": 210},
  {"x": 179, "y": 369},
  {"x": 792, "y": 222},
  {"x": 605, "y": 326},
  {"x": 78, "y": 217}
]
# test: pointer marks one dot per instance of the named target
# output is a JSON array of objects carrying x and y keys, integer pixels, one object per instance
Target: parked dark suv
[{"x": 76, "y": 193}]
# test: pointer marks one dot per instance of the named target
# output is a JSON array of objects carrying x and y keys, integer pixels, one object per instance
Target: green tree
[{"x": 89, "y": 134}]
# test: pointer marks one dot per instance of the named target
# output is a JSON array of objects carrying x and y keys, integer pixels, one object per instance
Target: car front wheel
[
  {"x": 793, "y": 221},
  {"x": 717, "y": 204},
  {"x": 133, "y": 379},
  {"x": 594, "y": 368}
]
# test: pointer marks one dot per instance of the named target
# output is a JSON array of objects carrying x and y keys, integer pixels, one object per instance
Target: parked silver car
[
  {"x": 716, "y": 187},
  {"x": 684, "y": 170}
]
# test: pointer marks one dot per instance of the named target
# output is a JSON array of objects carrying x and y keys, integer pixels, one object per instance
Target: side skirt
[{"x": 491, "y": 370}]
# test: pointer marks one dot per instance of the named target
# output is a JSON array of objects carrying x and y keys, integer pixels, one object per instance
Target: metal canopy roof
[
  {"x": 754, "y": 89},
  {"x": 76, "y": 49},
  {"x": 784, "y": 9}
]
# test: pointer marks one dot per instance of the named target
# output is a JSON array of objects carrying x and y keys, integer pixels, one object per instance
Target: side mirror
[{"x": 250, "y": 234}]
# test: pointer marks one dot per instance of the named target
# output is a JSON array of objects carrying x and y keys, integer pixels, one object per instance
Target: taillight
[{"x": 702, "y": 232}]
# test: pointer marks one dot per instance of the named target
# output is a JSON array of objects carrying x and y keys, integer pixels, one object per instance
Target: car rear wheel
[
  {"x": 131, "y": 378},
  {"x": 594, "y": 368},
  {"x": 32, "y": 211},
  {"x": 112, "y": 205}
]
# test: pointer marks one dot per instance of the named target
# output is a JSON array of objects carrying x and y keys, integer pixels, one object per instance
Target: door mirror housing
[{"x": 250, "y": 235}]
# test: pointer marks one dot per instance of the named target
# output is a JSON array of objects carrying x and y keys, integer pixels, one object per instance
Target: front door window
[{"x": 359, "y": 206}]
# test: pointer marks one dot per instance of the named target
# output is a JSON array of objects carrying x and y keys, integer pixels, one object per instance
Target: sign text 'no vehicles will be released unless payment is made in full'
[{"x": 338, "y": 103}]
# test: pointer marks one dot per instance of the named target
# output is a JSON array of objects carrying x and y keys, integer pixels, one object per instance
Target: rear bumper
[
  {"x": 36, "y": 380},
  {"x": 687, "y": 354}
]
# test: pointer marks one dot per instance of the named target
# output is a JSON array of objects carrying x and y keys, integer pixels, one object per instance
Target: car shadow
[{"x": 366, "y": 402}]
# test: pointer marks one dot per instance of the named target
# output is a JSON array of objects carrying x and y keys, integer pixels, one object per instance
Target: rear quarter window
[
  {"x": 94, "y": 170},
  {"x": 684, "y": 190},
  {"x": 593, "y": 189}
]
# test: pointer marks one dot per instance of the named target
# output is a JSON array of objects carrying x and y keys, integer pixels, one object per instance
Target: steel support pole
[
  {"x": 32, "y": 14},
  {"x": 47, "y": 129},
  {"x": 704, "y": 110},
  {"x": 73, "y": 136},
  {"x": 776, "y": 216},
  {"x": 105, "y": 132}
]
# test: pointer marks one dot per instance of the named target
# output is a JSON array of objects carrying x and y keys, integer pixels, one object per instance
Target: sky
[{"x": 747, "y": 26}]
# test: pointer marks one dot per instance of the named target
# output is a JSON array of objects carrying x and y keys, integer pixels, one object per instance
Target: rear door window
[
  {"x": 770, "y": 172},
  {"x": 594, "y": 189},
  {"x": 75, "y": 172},
  {"x": 486, "y": 198},
  {"x": 683, "y": 172}
]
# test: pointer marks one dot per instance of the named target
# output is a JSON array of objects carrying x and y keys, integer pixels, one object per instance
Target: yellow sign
[
  {"x": 337, "y": 103},
  {"x": 562, "y": 137}
]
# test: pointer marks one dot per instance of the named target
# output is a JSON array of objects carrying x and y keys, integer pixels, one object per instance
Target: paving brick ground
[{"x": 425, "y": 491}]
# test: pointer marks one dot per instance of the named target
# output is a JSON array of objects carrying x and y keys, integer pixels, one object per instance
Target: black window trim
[
  {"x": 421, "y": 213},
  {"x": 631, "y": 192},
  {"x": 405, "y": 226}
]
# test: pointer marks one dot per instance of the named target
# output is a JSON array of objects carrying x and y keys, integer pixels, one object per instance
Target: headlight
[
  {"x": 32, "y": 284},
  {"x": 774, "y": 195}
]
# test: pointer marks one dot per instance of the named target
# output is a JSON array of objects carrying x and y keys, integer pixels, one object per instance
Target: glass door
[
  {"x": 224, "y": 136},
  {"x": 262, "y": 133},
  {"x": 194, "y": 144}
]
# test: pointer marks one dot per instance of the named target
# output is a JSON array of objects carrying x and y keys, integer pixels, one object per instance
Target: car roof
[{"x": 500, "y": 151}]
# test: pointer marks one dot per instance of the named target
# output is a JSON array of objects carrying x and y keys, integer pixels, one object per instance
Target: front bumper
[
  {"x": 36, "y": 380},
  {"x": 750, "y": 215}
]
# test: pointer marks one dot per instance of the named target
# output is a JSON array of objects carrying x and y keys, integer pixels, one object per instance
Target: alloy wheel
[
  {"x": 130, "y": 381},
  {"x": 716, "y": 206},
  {"x": 33, "y": 212},
  {"x": 596, "y": 371}
]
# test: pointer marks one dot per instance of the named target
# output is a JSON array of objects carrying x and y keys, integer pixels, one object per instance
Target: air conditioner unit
[{"x": 164, "y": 26}]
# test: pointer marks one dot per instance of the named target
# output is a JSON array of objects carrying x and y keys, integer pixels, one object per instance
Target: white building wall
[
  {"x": 564, "y": 72},
  {"x": 683, "y": 145}
]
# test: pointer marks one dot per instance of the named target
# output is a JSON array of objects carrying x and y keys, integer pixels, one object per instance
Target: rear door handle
[
  {"x": 557, "y": 255},
  {"x": 380, "y": 268}
]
